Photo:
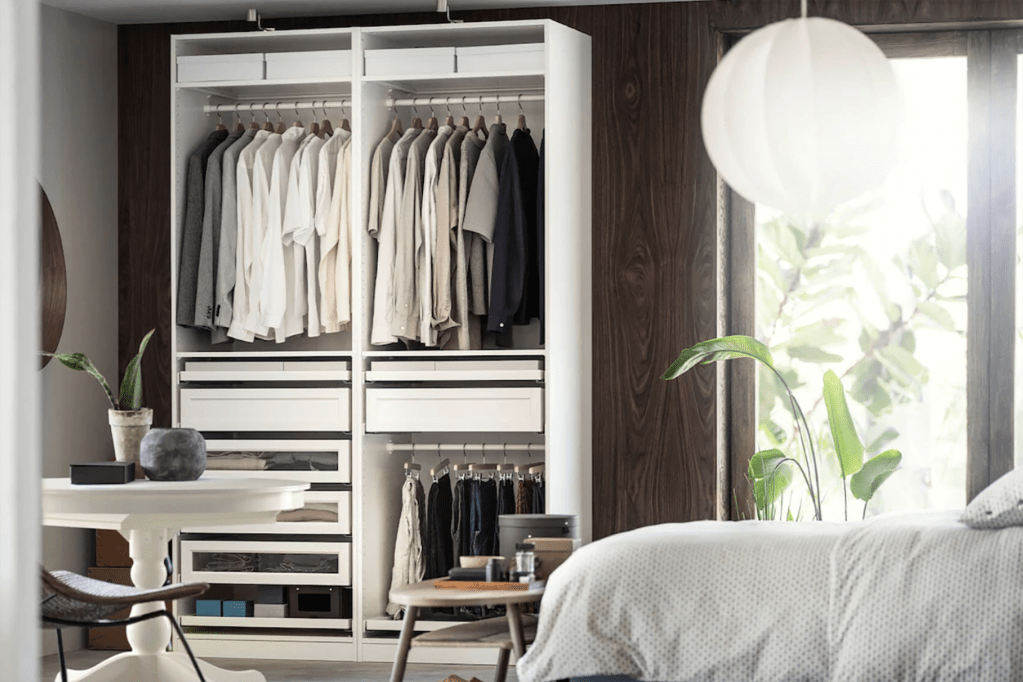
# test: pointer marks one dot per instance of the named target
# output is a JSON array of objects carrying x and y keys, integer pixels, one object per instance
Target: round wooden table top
[
  {"x": 425, "y": 594},
  {"x": 209, "y": 494}
]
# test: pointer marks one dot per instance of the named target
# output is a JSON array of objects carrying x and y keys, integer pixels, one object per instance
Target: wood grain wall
[{"x": 655, "y": 231}]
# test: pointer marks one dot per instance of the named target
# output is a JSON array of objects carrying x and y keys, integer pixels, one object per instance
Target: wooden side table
[{"x": 494, "y": 633}]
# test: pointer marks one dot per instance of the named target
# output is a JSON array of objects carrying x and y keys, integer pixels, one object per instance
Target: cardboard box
[
  {"x": 112, "y": 549},
  {"x": 235, "y": 608},
  {"x": 270, "y": 610},
  {"x": 551, "y": 553}
]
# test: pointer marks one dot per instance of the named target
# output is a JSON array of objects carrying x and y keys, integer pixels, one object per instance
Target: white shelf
[
  {"x": 273, "y": 90},
  {"x": 277, "y": 355},
  {"x": 468, "y": 84},
  {"x": 291, "y": 375},
  {"x": 287, "y": 623},
  {"x": 387, "y": 624},
  {"x": 456, "y": 375},
  {"x": 440, "y": 354}
]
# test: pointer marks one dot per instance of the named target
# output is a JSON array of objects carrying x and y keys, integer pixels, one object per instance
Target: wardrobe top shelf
[
  {"x": 257, "y": 89},
  {"x": 469, "y": 84}
]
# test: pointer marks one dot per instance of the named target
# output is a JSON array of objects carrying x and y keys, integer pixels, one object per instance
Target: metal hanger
[
  {"x": 269, "y": 127},
  {"x": 481, "y": 124},
  {"x": 416, "y": 121},
  {"x": 465, "y": 112},
  {"x": 326, "y": 129},
  {"x": 252, "y": 114},
  {"x": 345, "y": 125},
  {"x": 521, "y": 125},
  {"x": 220, "y": 120},
  {"x": 432, "y": 124},
  {"x": 449, "y": 119},
  {"x": 497, "y": 119},
  {"x": 298, "y": 118},
  {"x": 280, "y": 121}
]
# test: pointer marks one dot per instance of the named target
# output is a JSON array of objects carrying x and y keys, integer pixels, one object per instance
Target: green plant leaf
[
  {"x": 812, "y": 354},
  {"x": 80, "y": 363},
  {"x": 938, "y": 313},
  {"x": 764, "y": 461},
  {"x": 848, "y": 446},
  {"x": 767, "y": 490},
  {"x": 886, "y": 436},
  {"x": 131, "y": 385},
  {"x": 875, "y": 471},
  {"x": 717, "y": 350},
  {"x": 923, "y": 258}
]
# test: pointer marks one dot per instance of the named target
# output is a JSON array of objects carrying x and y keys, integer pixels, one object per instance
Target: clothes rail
[
  {"x": 277, "y": 106},
  {"x": 463, "y": 100},
  {"x": 459, "y": 447}
]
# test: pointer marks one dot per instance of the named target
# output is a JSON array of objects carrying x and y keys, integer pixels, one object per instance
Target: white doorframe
[{"x": 19, "y": 340}]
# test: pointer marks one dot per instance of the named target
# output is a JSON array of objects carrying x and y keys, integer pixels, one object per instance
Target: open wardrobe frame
[{"x": 342, "y": 404}]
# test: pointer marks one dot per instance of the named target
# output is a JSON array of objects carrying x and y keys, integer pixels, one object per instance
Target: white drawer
[
  {"x": 527, "y": 58},
  {"x": 329, "y": 461},
  {"x": 319, "y": 505},
  {"x": 288, "y": 65},
  {"x": 266, "y": 409},
  {"x": 410, "y": 61},
  {"x": 220, "y": 67},
  {"x": 485, "y": 410},
  {"x": 240, "y": 562}
]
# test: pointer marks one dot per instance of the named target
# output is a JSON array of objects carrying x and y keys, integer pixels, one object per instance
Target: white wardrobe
[{"x": 351, "y": 407}]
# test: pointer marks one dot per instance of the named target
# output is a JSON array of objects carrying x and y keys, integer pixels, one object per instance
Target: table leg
[
  {"x": 401, "y": 658},
  {"x": 515, "y": 629},
  {"x": 502, "y": 665}
]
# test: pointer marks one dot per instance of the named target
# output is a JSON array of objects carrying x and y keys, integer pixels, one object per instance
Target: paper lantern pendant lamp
[{"x": 802, "y": 115}]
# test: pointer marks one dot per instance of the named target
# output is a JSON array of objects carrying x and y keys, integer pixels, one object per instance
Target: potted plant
[{"x": 129, "y": 421}]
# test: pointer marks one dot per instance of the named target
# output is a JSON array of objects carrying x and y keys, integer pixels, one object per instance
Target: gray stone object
[{"x": 173, "y": 455}]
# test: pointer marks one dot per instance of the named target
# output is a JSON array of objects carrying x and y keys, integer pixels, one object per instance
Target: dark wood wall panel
[{"x": 654, "y": 232}]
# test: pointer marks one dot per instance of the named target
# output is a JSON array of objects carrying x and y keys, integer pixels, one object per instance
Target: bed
[{"x": 918, "y": 597}]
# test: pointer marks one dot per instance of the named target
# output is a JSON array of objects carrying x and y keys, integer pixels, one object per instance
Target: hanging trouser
[
  {"x": 456, "y": 519},
  {"x": 523, "y": 498},
  {"x": 408, "y": 545},
  {"x": 485, "y": 535},
  {"x": 438, "y": 545},
  {"x": 539, "y": 497}
]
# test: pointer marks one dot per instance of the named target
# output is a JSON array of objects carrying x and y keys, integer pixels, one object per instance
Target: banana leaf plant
[
  {"x": 130, "y": 395},
  {"x": 768, "y": 470}
]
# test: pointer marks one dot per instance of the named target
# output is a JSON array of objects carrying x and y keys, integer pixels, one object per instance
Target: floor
[{"x": 301, "y": 671}]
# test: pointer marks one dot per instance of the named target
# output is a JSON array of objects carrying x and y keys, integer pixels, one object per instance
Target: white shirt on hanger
[
  {"x": 325, "y": 180},
  {"x": 426, "y": 237},
  {"x": 274, "y": 299},
  {"x": 383, "y": 294},
  {"x": 261, "y": 180},
  {"x": 243, "y": 260},
  {"x": 296, "y": 303},
  {"x": 332, "y": 251},
  {"x": 306, "y": 254}
]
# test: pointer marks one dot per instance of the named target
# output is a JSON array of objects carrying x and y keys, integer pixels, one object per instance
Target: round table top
[
  {"x": 425, "y": 594},
  {"x": 209, "y": 494}
]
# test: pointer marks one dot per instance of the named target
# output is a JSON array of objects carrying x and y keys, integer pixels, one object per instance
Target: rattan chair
[{"x": 72, "y": 600}]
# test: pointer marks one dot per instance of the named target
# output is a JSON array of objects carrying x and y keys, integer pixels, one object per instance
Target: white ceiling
[{"x": 156, "y": 11}]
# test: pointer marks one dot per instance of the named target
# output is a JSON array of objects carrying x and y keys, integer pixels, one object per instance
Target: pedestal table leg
[{"x": 515, "y": 628}]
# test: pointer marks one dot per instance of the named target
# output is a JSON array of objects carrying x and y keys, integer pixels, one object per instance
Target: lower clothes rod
[{"x": 463, "y": 100}]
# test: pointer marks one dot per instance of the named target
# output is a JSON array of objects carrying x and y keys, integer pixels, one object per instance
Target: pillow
[{"x": 999, "y": 505}]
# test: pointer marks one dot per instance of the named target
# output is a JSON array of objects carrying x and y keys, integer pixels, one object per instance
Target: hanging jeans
[
  {"x": 505, "y": 504},
  {"x": 465, "y": 518},
  {"x": 408, "y": 545},
  {"x": 539, "y": 497},
  {"x": 484, "y": 513},
  {"x": 438, "y": 544}
]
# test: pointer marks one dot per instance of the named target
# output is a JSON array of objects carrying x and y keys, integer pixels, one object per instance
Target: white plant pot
[{"x": 128, "y": 428}]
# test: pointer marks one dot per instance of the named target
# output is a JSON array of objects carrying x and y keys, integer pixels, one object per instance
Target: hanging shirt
[
  {"x": 326, "y": 181},
  {"x": 274, "y": 295},
  {"x": 262, "y": 175},
  {"x": 210, "y": 242},
  {"x": 306, "y": 254},
  {"x": 292, "y": 222},
  {"x": 514, "y": 282},
  {"x": 481, "y": 208},
  {"x": 408, "y": 545},
  {"x": 470, "y": 287},
  {"x": 383, "y": 290},
  {"x": 191, "y": 233},
  {"x": 334, "y": 292},
  {"x": 406, "y": 300},
  {"x": 227, "y": 254},
  {"x": 540, "y": 224},
  {"x": 449, "y": 245},
  {"x": 426, "y": 237},
  {"x": 243, "y": 256}
]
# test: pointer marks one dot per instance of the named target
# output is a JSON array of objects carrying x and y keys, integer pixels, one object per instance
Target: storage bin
[
  {"x": 221, "y": 67},
  {"x": 266, "y": 409},
  {"x": 237, "y": 609},
  {"x": 315, "y": 461},
  {"x": 515, "y": 528},
  {"x": 482, "y": 410},
  {"x": 271, "y": 594},
  {"x": 208, "y": 607},
  {"x": 415, "y": 61},
  {"x": 525, "y": 58},
  {"x": 319, "y": 601},
  {"x": 313, "y": 64},
  {"x": 270, "y": 610}
]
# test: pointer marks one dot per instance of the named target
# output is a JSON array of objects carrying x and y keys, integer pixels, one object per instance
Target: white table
[{"x": 149, "y": 514}]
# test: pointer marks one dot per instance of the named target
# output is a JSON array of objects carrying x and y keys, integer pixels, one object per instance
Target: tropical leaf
[
  {"x": 131, "y": 385},
  {"x": 937, "y": 313},
  {"x": 950, "y": 240},
  {"x": 885, "y": 437},
  {"x": 770, "y": 475},
  {"x": 80, "y": 363},
  {"x": 764, "y": 462},
  {"x": 848, "y": 446},
  {"x": 717, "y": 350},
  {"x": 875, "y": 471},
  {"x": 923, "y": 259},
  {"x": 905, "y": 362},
  {"x": 812, "y": 354}
]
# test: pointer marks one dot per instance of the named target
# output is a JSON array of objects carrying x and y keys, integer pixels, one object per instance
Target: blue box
[
  {"x": 237, "y": 609},
  {"x": 208, "y": 607},
  {"x": 271, "y": 594}
]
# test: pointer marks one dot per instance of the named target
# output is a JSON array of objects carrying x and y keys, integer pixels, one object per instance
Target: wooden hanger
[
  {"x": 538, "y": 469},
  {"x": 524, "y": 468},
  {"x": 280, "y": 121},
  {"x": 220, "y": 124},
  {"x": 432, "y": 123},
  {"x": 253, "y": 124},
  {"x": 506, "y": 467},
  {"x": 483, "y": 467},
  {"x": 345, "y": 125},
  {"x": 298, "y": 119},
  {"x": 441, "y": 466},
  {"x": 239, "y": 126},
  {"x": 521, "y": 125},
  {"x": 481, "y": 123},
  {"x": 464, "y": 122},
  {"x": 268, "y": 126},
  {"x": 395, "y": 132}
]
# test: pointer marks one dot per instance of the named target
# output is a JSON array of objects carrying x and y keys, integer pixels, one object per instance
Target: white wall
[
  {"x": 78, "y": 170},
  {"x": 19, "y": 339}
]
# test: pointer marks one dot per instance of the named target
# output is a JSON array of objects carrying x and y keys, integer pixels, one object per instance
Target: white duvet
[{"x": 912, "y": 598}]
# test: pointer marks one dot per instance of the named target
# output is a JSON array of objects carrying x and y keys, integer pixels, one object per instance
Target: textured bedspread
[{"x": 909, "y": 598}]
